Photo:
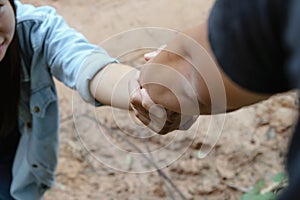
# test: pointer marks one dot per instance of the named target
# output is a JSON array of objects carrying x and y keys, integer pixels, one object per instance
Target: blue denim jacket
[{"x": 49, "y": 47}]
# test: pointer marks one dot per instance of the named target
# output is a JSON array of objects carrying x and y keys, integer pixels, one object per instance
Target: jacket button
[
  {"x": 34, "y": 165},
  {"x": 45, "y": 187},
  {"x": 36, "y": 109}
]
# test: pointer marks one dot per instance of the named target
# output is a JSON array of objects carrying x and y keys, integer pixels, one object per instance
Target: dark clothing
[
  {"x": 8, "y": 146},
  {"x": 5, "y": 181},
  {"x": 257, "y": 44}
]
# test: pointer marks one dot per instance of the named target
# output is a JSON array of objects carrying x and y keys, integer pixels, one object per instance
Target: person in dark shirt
[{"x": 255, "y": 45}]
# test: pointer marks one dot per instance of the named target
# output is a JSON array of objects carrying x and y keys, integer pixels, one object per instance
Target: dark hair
[{"x": 10, "y": 84}]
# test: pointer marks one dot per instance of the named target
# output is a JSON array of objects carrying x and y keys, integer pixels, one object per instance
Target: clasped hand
[{"x": 155, "y": 116}]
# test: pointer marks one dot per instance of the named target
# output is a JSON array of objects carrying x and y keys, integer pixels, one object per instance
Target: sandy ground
[{"x": 97, "y": 158}]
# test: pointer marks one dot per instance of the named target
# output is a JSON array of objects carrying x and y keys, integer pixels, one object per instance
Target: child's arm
[{"x": 110, "y": 85}]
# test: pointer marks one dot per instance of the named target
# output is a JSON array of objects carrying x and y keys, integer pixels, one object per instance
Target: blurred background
[{"x": 251, "y": 148}]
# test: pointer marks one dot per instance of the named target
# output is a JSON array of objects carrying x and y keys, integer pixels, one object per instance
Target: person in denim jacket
[{"x": 35, "y": 45}]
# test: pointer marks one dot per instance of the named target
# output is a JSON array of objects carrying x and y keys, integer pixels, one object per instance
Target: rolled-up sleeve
[
  {"x": 68, "y": 54},
  {"x": 93, "y": 63}
]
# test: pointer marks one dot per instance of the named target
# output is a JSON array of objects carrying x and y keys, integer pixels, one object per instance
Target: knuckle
[
  {"x": 145, "y": 104},
  {"x": 134, "y": 100}
]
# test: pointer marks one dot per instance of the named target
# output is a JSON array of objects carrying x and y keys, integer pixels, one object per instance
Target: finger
[
  {"x": 135, "y": 93},
  {"x": 136, "y": 105},
  {"x": 187, "y": 122},
  {"x": 136, "y": 102},
  {"x": 141, "y": 112},
  {"x": 152, "y": 122},
  {"x": 138, "y": 112},
  {"x": 167, "y": 129},
  {"x": 158, "y": 112},
  {"x": 169, "y": 124},
  {"x": 146, "y": 99},
  {"x": 143, "y": 119},
  {"x": 172, "y": 122},
  {"x": 154, "y": 109},
  {"x": 149, "y": 56},
  {"x": 134, "y": 85},
  {"x": 156, "y": 125}
]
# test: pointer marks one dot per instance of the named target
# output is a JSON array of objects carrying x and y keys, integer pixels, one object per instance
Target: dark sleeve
[
  {"x": 292, "y": 44},
  {"x": 257, "y": 44},
  {"x": 247, "y": 40}
]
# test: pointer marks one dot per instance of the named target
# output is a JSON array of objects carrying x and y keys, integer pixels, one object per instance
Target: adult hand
[{"x": 156, "y": 117}]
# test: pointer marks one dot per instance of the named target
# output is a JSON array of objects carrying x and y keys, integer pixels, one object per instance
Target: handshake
[
  {"x": 176, "y": 84},
  {"x": 163, "y": 113}
]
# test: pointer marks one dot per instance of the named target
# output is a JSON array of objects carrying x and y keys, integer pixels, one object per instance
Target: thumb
[
  {"x": 134, "y": 89},
  {"x": 149, "y": 56},
  {"x": 153, "y": 108}
]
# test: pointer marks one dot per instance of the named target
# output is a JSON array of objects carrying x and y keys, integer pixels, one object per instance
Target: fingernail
[
  {"x": 157, "y": 111},
  {"x": 137, "y": 74},
  {"x": 151, "y": 54},
  {"x": 162, "y": 47},
  {"x": 144, "y": 92}
]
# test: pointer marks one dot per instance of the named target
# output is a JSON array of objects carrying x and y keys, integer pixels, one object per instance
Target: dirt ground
[{"x": 251, "y": 147}]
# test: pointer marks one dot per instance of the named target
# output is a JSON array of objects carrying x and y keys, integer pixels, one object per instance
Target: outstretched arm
[
  {"x": 184, "y": 78},
  {"x": 192, "y": 58},
  {"x": 110, "y": 85}
]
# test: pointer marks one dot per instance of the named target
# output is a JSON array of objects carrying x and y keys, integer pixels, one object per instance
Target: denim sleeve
[{"x": 68, "y": 54}]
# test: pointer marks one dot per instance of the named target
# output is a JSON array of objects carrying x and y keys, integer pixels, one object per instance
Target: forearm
[
  {"x": 173, "y": 81},
  {"x": 190, "y": 55},
  {"x": 110, "y": 85}
]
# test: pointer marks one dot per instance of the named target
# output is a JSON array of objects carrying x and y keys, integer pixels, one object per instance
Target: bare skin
[
  {"x": 7, "y": 26},
  {"x": 202, "y": 77},
  {"x": 110, "y": 85}
]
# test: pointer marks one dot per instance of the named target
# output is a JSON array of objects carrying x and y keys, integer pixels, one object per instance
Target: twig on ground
[
  {"x": 238, "y": 188},
  {"x": 159, "y": 171},
  {"x": 150, "y": 161},
  {"x": 166, "y": 184},
  {"x": 275, "y": 187}
]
